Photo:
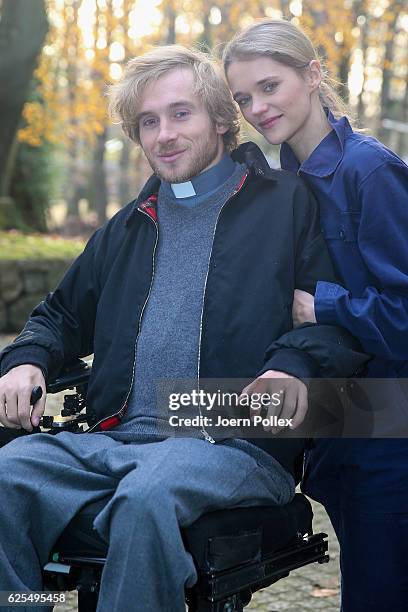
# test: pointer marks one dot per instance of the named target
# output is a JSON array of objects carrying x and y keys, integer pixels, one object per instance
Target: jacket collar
[
  {"x": 147, "y": 195},
  {"x": 325, "y": 158},
  {"x": 250, "y": 154},
  {"x": 247, "y": 153}
]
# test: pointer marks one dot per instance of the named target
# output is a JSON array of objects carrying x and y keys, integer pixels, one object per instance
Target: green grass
[{"x": 15, "y": 245}]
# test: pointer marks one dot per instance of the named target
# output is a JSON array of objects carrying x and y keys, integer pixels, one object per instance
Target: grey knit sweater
[{"x": 167, "y": 346}]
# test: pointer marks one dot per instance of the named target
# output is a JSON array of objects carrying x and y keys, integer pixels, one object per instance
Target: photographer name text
[{"x": 206, "y": 421}]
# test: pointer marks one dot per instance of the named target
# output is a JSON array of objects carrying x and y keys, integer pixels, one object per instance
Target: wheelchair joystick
[{"x": 36, "y": 394}]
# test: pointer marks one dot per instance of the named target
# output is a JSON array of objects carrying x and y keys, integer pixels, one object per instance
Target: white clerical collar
[
  {"x": 206, "y": 181},
  {"x": 183, "y": 190}
]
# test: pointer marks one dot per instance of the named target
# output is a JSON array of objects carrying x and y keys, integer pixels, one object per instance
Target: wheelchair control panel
[{"x": 72, "y": 418}]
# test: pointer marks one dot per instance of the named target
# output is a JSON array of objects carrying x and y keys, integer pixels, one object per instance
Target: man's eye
[
  {"x": 149, "y": 122},
  {"x": 243, "y": 101},
  {"x": 268, "y": 87}
]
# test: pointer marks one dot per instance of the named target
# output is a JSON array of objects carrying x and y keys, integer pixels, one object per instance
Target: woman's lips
[
  {"x": 170, "y": 157},
  {"x": 269, "y": 122}
]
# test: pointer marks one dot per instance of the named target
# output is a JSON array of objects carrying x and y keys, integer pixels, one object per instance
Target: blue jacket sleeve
[{"x": 378, "y": 317}]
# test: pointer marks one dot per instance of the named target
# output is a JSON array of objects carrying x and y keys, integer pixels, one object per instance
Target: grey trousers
[{"x": 155, "y": 489}]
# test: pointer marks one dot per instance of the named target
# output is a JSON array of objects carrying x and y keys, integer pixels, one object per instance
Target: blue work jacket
[{"x": 362, "y": 189}]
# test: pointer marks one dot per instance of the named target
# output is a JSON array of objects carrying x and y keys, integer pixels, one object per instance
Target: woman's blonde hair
[
  {"x": 209, "y": 85},
  {"x": 283, "y": 42}
]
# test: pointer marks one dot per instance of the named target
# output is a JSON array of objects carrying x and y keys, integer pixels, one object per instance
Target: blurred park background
[{"x": 65, "y": 169}]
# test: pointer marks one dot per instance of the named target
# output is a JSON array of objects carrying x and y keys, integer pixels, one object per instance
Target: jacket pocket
[{"x": 343, "y": 227}]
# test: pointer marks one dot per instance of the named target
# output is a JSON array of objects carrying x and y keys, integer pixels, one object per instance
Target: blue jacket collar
[{"x": 325, "y": 158}]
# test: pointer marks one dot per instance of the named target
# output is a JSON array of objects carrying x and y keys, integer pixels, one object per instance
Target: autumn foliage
[{"x": 362, "y": 42}]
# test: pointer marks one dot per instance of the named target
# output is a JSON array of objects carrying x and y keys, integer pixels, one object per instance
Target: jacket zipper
[
  {"x": 203, "y": 430},
  {"x": 122, "y": 410}
]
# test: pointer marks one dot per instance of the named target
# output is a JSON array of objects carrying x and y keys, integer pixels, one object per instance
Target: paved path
[{"x": 314, "y": 587}]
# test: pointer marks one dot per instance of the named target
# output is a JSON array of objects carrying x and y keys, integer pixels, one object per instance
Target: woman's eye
[
  {"x": 243, "y": 101},
  {"x": 182, "y": 114},
  {"x": 270, "y": 87}
]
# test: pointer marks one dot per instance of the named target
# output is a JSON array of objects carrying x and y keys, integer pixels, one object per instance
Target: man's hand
[
  {"x": 303, "y": 308},
  {"x": 293, "y": 397},
  {"x": 15, "y": 391}
]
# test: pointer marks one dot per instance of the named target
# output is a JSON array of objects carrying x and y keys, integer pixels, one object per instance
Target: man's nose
[{"x": 166, "y": 133}]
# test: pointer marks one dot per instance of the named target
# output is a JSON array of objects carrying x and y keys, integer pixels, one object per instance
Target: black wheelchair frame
[{"x": 236, "y": 551}]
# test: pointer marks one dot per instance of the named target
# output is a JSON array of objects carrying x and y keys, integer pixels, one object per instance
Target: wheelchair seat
[
  {"x": 217, "y": 540},
  {"x": 236, "y": 552}
]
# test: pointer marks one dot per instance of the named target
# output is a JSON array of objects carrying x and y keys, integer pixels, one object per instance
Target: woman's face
[{"x": 275, "y": 99}]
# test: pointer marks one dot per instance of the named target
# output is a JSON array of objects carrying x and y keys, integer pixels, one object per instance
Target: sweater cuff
[
  {"x": 34, "y": 355},
  {"x": 325, "y": 302},
  {"x": 293, "y": 362}
]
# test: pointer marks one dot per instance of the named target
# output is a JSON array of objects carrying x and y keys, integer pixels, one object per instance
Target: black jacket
[{"x": 267, "y": 243}]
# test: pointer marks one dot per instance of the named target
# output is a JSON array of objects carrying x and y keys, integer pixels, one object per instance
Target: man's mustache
[{"x": 168, "y": 151}]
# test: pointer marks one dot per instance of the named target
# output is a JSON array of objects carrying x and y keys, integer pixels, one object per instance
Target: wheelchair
[{"x": 236, "y": 551}]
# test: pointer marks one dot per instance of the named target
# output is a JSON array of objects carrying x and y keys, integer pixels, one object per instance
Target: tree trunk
[
  {"x": 23, "y": 26},
  {"x": 284, "y": 7},
  {"x": 206, "y": 37},
  {"x": 99, "y": 186},
  {"x": 124, "y": 185},
  {"x": 360, "y": 103},
  {"x": 386, "y": 80},
  {"x": 74, "y": 189},
  {"x": 402, "y": 145},
  {"x": 344, "y": 70},
  {"x": 171, "y": 23}
]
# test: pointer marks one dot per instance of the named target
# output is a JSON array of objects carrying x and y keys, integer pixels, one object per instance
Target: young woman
[{"x": 362, "y": 187}]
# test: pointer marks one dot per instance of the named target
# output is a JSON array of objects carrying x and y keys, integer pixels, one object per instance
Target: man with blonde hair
[{"x": 193, "y": 280}]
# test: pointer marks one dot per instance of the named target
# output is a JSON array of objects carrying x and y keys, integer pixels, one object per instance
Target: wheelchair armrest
[{"x": 75, "y": 373}]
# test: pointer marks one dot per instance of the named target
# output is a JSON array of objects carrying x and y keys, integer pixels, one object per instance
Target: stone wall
[{"x": 23, "y": 284}]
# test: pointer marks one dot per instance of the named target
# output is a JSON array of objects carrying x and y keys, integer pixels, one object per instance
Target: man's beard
[{"x": 203, "y": 156}]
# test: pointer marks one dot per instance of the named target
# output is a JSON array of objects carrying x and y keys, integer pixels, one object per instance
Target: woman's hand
[{"x": 303, "y": 308}]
